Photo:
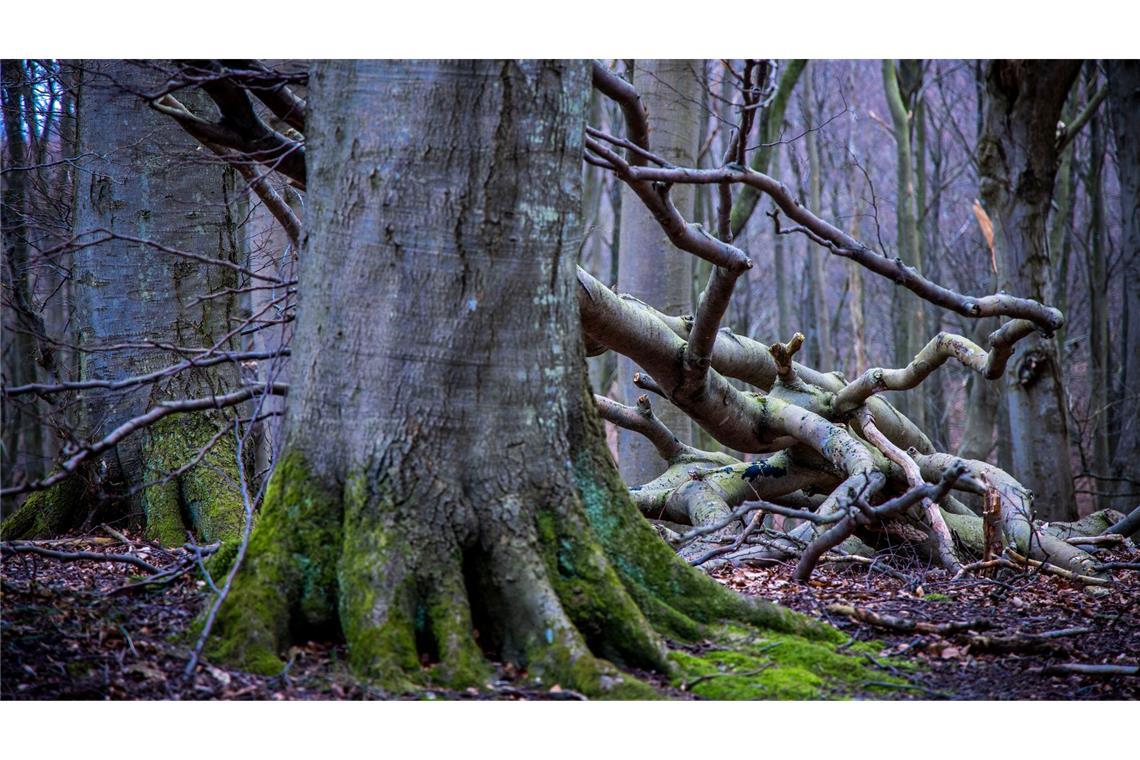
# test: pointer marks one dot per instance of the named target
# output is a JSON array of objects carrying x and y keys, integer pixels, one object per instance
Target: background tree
[
  {"x": 651, "y": 268},
  {"x": 155, "y": 265},
  {"x": 1018, "y": 160},
  {"x": 1124, "y": 106}
]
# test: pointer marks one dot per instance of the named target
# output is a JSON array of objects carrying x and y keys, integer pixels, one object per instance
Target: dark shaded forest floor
[{"x": 71, "y": 630}]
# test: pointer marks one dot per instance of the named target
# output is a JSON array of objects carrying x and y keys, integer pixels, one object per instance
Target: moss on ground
[{"x": 752, "y": 665}]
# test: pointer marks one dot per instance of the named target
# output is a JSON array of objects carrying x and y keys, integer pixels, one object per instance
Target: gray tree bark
[
  {"x": 22, "y": 439},
  {"x": 445, "y": 491},
  {"x": 1096, "y": 269},
  {"x": 1018, "y": 163},
  {"x": 140, "y": 178},
  {"x": 1124, "y": 105},
  {"x": 649, "y": 266}
]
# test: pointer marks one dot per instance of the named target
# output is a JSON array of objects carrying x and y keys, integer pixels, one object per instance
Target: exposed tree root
[
  {"x": 586, "y": 588},
  {"x": 47, "y": 513}
]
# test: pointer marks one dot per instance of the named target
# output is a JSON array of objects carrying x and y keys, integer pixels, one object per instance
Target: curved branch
[
  {"x": 642, "y": 420},
  {"x": 842, "y": 244},
  {"x": 1015, "y": 510},
  {"x": 939, "y": 531},
  {"x": 272, "y": 89},
  {"x": 626, "y": 96},
  {"x": 942, "y": 347},
  {"x": 837, "y": 534},
  {"x": 240, "y": 128}
]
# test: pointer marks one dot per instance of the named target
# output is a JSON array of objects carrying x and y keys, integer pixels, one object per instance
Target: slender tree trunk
[
  {"x": 1018, "y": 161},
  {"x": 650, "y": 267},
  {"x": 929, "y": 212},
  {"x": 22, "y": 441},
  {"x": 445, "y": 492},
  {"x": 1097, "y": 273},
  {"x": 269, "y": 251},
  {"x": 816, "y": 255},
  {"x": 908, "y": 312},
  {"x": 770, "y": 127},
  {"x": 780, "y": 267},
  {"x": 982, "y": 402},
  {"x": 1124, "y": 105}
]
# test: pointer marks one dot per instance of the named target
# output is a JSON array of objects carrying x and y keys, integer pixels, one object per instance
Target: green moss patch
[{"x": 777, "y": 666}]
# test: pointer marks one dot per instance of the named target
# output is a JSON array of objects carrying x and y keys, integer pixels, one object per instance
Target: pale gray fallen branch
[
  {"x": 1105, "y": 538},
  {"x": 1090, "y": 669},
  {"x": 906, "y": 625}
]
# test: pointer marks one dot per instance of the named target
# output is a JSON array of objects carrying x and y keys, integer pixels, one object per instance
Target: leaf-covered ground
[{"x": 82, "y": 630}]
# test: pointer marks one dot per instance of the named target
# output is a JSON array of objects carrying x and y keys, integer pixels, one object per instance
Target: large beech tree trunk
[
  {"x": 649, "y": 266},
  {"x": 140, "y": 177},
  {"x": 1018, "y": 163},
  {"x": 445, "y": 493}
]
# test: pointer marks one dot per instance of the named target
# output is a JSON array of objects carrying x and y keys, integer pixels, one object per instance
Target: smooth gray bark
[
  {"x": 1018, "y": 163},
  {"x": 650, "y": 267},
  {"x": 141, "y": 177},
  {"x": 1124, "y": 106}
]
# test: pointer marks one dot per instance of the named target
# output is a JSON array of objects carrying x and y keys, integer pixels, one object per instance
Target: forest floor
[{"x": 80, "y": 630}]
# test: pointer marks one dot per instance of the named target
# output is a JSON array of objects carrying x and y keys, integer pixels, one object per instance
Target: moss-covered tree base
[
  {"x": 47, "y": 513},
  {"x": 186, "y": 493},
  {"x": 202, "y": 497},
  {"x": 573, "y": 590}
]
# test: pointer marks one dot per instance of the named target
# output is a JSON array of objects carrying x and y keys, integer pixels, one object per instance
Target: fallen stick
[
  {"x": 985, "y": 565},
  {"x": 905, "y": 625},
  {"x": 116, "y": 534},
  {"x": 701, "y": 679},
  {"x": 1022, "y": 640},
  {"x": 1086, "y": 669},
  {"x": 1051, "y": 568},
  {"x": 1117, "y": 566},
  {"x": 20, "y": 547},
  {"x": 1106, "y": 538}
]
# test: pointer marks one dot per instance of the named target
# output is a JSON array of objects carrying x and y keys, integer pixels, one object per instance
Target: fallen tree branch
[
  {"x": 24, "y": 547},
  {"x": 1049, "y": 567},
  {"x": 640, "y": 419},
  {"x": 939, "y": 531},
  {"x": 906, "y": 625},
  {"x": 1089, "y": 669},
  {"x": 1128, "y": 526},
  {"x": 1104, "y": 538},
  {"x": 842, "y": 244},
  {"x": 837, "y": 534},
  {"x": 941, "y": 348},
  {"x": 1022, "y": 640}
]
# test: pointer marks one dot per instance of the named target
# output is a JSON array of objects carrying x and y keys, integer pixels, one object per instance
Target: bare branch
[
  {"x": 941, "y": 347},
  {"x": 26, "y": 547},
  {"x": 145, "y": 420}
]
